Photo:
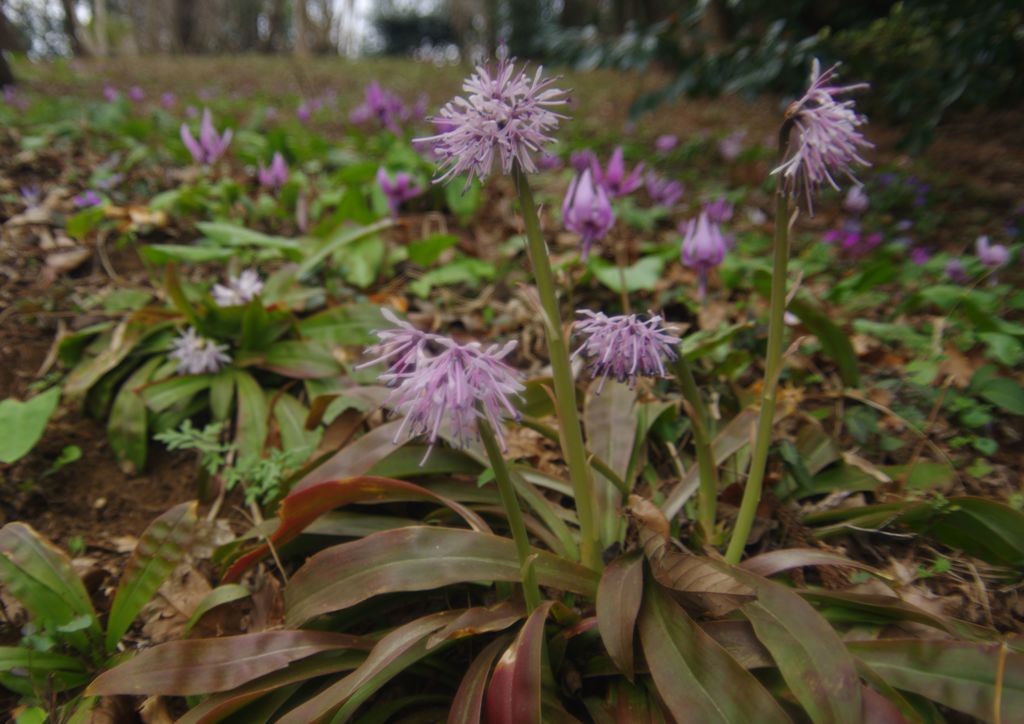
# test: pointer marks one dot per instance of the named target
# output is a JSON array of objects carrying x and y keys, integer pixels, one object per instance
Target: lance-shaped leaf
[
  {"x": 160, "y": 548},
  {"x": 618, "y": 603},
  {"x": 610, "y": 420},
  {"x": 251, "y": 417},
  {"x": 469, "y": 699},
  {"x": 479, "y": 619},
  {"x": 777, "y": 561},
  {"x": 959, "y": 674},
  {"x": 697, "y": 679},
  {"x": 203, "y": 666},
  {"x": 514, "y": 694},
  {"x": 304, "y": 360},
  {"x": 302, "y": 507},
  {"x": 625, "y": 703},
  {"x": 217, "y": 597},
  {"x": 399, "y": 649},
  {"x": 417, "y": 559},
  {"x": 128, "y": 421},
  {"x": 40, "y": 576}
]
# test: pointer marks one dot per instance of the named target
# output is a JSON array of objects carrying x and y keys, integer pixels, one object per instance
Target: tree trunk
[
  {"x": 185, "y": 25},
  {"x": 301, "y": 29},
  {"x": 525, "y": 26},
  {"x": 8, "y": 41},
  {"x": 275, "y": 24},
  {"x": 99, "y": 21},
  {"x": 71, "y": 28}
]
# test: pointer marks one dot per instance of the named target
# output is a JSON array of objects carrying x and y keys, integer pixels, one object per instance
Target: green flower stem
[
  {"x": 561, "y": 370},
  {"x": 707, "y": 496},
  {"x": 772, "y": 368},
  {"x": 531, "y": 592}
]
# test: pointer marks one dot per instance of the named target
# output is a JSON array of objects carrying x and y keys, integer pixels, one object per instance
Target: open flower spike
[
  {"x": 210, "y": 145},
  {"x": 624, "y": 347}
]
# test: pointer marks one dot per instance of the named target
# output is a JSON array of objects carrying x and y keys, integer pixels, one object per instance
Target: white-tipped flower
[{"x": 197, "y": 355}]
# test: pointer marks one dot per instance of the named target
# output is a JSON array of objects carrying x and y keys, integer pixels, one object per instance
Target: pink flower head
[
  {"x": 211, "y": 145},
  {"x": 382, "y": 106},
  {"x": 624, "y": 347},
  {"x": 919, "y": 255},
  {"x": 436, "y": 378},
  {"x": 719, "y": 211},
  {"x": 587, "y": 211},
  {"x": 110, "y": 93},
  {"x": 136, "y": 94},
  {"x": 730, "y": 147},
  {"x": 704, "y": 247},
  {"x": 582, "y": 160},
  {"x": 665, "y": 143},
  {"x": 991, "y": 255},
  {"x": 856, "y": 201},
  {"x": 663, "y": 192},
  {"x": 239, "y": 290},
  {"x": 197, "y": 355},
  {"x": 614, "y": 179},
  {"x": 503, "y": 120},
  {"x": 397, "y": 190},
  {"x": 956, "y": 272},
  {"x": 827, "y": 141},
  {"x": 276, "y": 175},
  {"x": 168, "y": 100}
]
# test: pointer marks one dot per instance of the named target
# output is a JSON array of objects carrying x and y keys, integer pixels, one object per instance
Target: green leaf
[
  {"x": 361, "y": 261},
  {"x": 162, "y": 395},
  {"x": 290, "y": 415},
  {"x": 341, "y": 239},
  {"x": 514, "y": 694},
  {"x": 984, "y": 528},
  {"x": 347, "y": 325},
  {"x": 698, "y": 680},
  {"x": 463, "y": 201},
  {"x": 203, "y": 666},
  {"x": 302, "y": 360},
  {"x": 251, "y": 415},
  {"x": 834, "y": 341},
  {"x": 610, "y": 421},
  {"x": 160, "y": 548},
  {"x": 618, "y": 603},
  {"x": 234, "y": 235},
  {"x": 171, "y": 253},
  {"x": 1004, "y": 393},
  {"x": 643, "y": 276},
  {"x": 79, "y": 225},
  {"x": 22, "y": 423},
  {"x": 219, "y": 596},
  {"x": 416, "y": 559},
  {"x": 959, "y": 674},
  {"x": 426, "y": 251},
  {"x": 1004, "y": 349},
  {"x": 464, "y": 270},
  {"x": 127, "y": 424}
]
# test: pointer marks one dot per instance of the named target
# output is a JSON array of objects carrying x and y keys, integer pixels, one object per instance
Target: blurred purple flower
[
  {"x": 168, "y": 100},
  {"x": 856, "y": 201},
  {"x": 730, "y": 147},
  {"x": 827, "y": 141},
  {"x": 624, "y": 347},
  {"x": 239, "y": 290},
  {"x": 436, "y": 378},
  {"x": 13, "y": 98},
  {"x": 719, "y": 211},
  {"x": 504, "y": 119},
  {"x": 666, "y": 142},
  {"x": 957, "y": 272},
  {"x": 663, "y": 192},
  {"x": 582, "y": 160},
  {"x": 197, "y": 355},
  {"x": 851, "y": 240},
  {"x": 704, "y": 248},
  {"x": 304, "y": 112},
  {"x": 381, "y": 106},
  {"x": 211, "y": 145},
  {"x": 991, "y": 255},
  {"x": 110, "y": 93},
  {"x": 136, "y": 94},
  {"x": 30, "y": 195},
  {"x": 398, "y": 190},
  {"x": 614, "y": 178},
  {"x": 919, "y": 255},
  {"x": 275, "y": 176},
  {"x": 548, "y": 162},
  {"x": 87, "y": 199},
  {"x": 587, "y": 211}
]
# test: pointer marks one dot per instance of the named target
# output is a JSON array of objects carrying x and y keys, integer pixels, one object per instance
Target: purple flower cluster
[
  {"x": 436, "y": 378},
  {"x": 587, "y": 211},
  {"x": 275, "y": 176},
  {"x": 614, "y": 178},
  {"x": 504, "y": 119},
  {"x": 397, "y": 190},
  {"x": 663, "y": 191},
  {"x": 381, "y": 106},
  {"x": 210, "y": 145},
  {"x": 852, "y": 240},
  {"x": 86, "y": 200},
  {"x": 719, "y": 211},
  {"x": 197, "y": 355},
  {"x": 624, "y": 347},
  {"x": 730, "y": 147},
  {"x": 827, "y": 141},
  {"x": 704, "y": 247},
  {"x": 666, "y": 143}
]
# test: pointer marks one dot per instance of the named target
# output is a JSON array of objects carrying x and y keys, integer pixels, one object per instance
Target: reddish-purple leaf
[
  {"x": 478, "y": 620},
  {"x": 738, "y": 638},
  {"x": 696, "y": 678},
  {"x": 355, "y": 459},
  {"x": 202, "y": 666},
  {"x": 772, "y": 562},
  {"x": 618, "y": 603},
  {"x": 302, "y": 507},
  {"x": 879, "y": 710},
  {"x": 469, "y": 699},
  {"x": 417, "y": 558},
  {"x": 514, "y": 694}
]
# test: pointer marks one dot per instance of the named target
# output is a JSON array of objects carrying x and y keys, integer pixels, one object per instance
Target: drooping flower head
[
  {"x": 210, "y": 145},
  {"x": 549, "y": 162},
  {"x": 956, "y": 272},
  {"x": 239, "y": 290},
  {"x": 704, "y": 247},
  {"x": 827, "y": 142},
  {"x": 663, "y": 191},
  {"x": 437, "y": 379},
  {"x": 614, "y": 178},
  {"x": 136, "y": 94},
  {"x": 505, "y": 118},
  {"x": 919, "y": 255},
  {"x": 168, "y": 100},
  {"x": 382, "y": 106},
  {"x": 719, "y": 211},
  {"x": 197, "y": 355},
  {"x": 274, "y": 176},
  {"x": 624, "y": 347},
  {"x": 856, "y": 201},
  {"x": 587, "y": 211},
  {"x": 666, "y": 142},
  {"x": 397, "y": 190},
  {"x": 582, "y": 160},
  {"x": 730, "y": 147},
  {"x": 991, "y": 255}
]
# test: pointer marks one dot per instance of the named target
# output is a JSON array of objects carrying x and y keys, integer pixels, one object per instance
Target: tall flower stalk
[
  {"x": 827, "y": 144},
  {"x": 700, "y": 421}
]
